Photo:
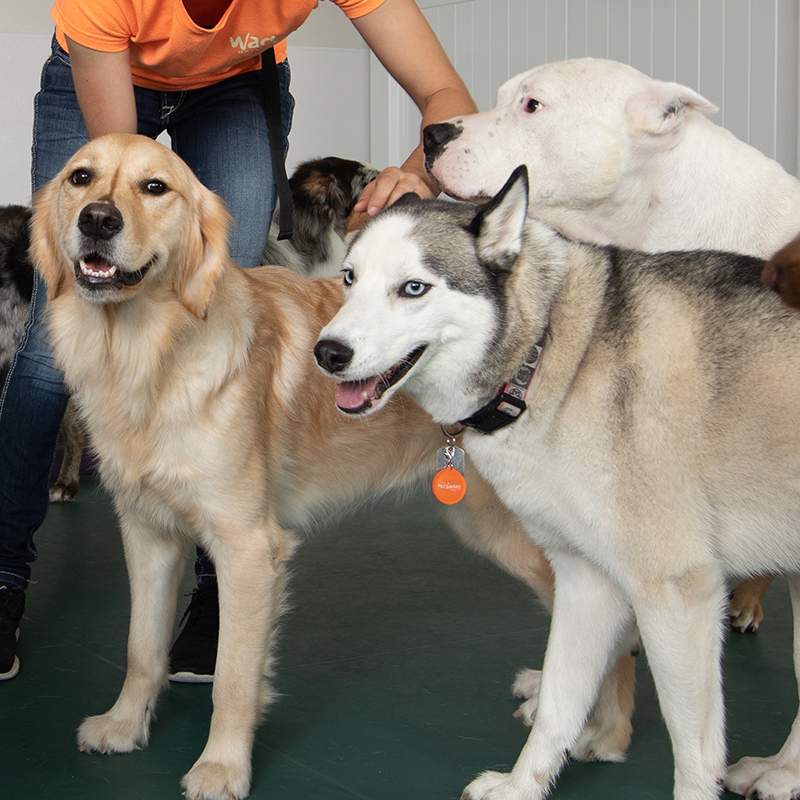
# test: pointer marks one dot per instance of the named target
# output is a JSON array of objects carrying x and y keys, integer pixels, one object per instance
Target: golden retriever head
[{"x": 126, "y": 216}]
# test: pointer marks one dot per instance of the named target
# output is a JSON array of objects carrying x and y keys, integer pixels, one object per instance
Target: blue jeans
[{"x": 221, "y": 132}]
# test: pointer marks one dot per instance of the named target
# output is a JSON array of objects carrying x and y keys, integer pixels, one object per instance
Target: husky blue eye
[
  {"x": 348, "y": 277},
  {"x": 415, "y": 289}
]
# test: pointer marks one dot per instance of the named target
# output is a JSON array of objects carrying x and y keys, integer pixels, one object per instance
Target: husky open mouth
[
  {"x": 355, "y": 397},
  {"x": 94, "y": 272}
]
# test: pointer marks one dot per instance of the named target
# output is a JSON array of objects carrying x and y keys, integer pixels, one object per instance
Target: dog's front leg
[
  {"x": 155, "y": 563},
  {"x": 251, "y": 577},
  {"x": 777, "y": 776},
  {"x": 680, "y": 618},
  {"x": 592, "y": 623}
]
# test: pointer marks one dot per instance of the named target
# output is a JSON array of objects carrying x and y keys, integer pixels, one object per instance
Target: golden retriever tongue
[{"x": 354, "y": 395}]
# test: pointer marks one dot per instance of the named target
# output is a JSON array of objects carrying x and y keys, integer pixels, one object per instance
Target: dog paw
[
  {"x": 526, "y": 686},
  {"x": 210, "y": 780},
  {"x": 108, "y": 733},
  {"x": 744, "y": 604},
  {"x": 62, "y": 492},
  {"x": 764, "y": 779},
  {"x": 503, "y": 786}
]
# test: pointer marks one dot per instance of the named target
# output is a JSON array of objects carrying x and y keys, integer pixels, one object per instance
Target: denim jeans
[{"x": 221, "y": 132}]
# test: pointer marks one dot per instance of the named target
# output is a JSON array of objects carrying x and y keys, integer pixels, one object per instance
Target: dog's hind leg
[
  {"x": 592, "y": 624},
  {"x": 155, "y": 564},
  {"x": 776, "y": 777},
  {"x": 744, "y": 608},
  {"x": 680, "y": 618},
  {"x": 66, "y": 484},
  {"x": 251, "y": 573},
  {"x": 486, "y": 526}
]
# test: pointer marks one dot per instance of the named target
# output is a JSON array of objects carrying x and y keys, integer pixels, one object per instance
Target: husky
[{"x": 633, "y": 410}]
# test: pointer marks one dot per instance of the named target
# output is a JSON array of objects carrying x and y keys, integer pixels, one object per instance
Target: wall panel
[{"x": 740, "y": 54}]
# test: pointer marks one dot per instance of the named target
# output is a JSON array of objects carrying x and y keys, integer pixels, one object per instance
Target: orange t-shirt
[{"x": 170, "y": 52}]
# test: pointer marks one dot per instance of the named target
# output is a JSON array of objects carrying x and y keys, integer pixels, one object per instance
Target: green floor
[{"x": 396, "y": 662}]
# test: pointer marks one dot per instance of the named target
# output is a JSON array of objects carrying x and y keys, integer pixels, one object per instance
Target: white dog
[
  {"x": 651, "y": 447},
  {"x": 615, "y": 157}
]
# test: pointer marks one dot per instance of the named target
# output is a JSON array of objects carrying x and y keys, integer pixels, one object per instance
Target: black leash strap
[{"x": 272, "y": 106}]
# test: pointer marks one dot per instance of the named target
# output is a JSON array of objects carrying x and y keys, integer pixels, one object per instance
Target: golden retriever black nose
[{"x": 100, "y": 221}]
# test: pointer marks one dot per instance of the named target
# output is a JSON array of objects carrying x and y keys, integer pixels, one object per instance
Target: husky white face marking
[
  {"x": 424, "y": 303},
  {"x": 400, "y": 315}
]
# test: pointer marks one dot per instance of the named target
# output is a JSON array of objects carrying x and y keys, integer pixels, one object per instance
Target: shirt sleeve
[
  {"x": 104, "y": 25},
  {"x": 357, "y": 8}
]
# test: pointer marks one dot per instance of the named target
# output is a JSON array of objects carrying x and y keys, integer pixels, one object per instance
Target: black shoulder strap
[{"x": 272, "y": 106}]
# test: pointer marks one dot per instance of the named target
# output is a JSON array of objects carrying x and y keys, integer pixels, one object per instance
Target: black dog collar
[{"x": 509, "y": 403}]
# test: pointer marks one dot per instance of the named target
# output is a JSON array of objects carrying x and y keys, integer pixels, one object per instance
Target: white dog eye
[
  {"x": 531, "y": 105},
  {"x": 348, "y": 277},
  {"x": 155, "y": 187},
  {"x": 415, "y": 289}
]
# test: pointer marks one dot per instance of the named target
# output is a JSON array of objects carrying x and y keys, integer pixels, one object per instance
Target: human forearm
[{"x": 104, "y": 88}]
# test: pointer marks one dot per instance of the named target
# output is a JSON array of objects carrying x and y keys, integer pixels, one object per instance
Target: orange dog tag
[{"x": 449, "y": 486}]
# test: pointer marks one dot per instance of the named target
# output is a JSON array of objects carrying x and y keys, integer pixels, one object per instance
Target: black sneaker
[
  {"x": 12, "y": 606},
  {"x": 194, "y": 654}
]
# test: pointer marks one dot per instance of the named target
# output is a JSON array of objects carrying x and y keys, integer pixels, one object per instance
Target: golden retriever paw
[
  {"x": 765, "y": 778},
  {"x": 503, "y": 786},
  {"x": 744, "y": 606},
  {"x": 210, "y": 780},
  {"x": 603, "y": 740},
  {"x": 108, "y": 733},
  {"x": 526, "y": 686}
]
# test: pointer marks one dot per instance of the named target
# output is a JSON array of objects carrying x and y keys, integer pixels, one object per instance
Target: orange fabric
[{"x": 170, "y": 52}]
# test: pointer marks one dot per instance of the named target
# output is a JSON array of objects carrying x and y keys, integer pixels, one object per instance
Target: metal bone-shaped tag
[{"x": 450, "y": 456}]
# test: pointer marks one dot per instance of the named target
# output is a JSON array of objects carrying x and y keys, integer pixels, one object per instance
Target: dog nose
[
  {"x": 436, "y": 136},
  {"x": 332, "y": 356},
  {"x": 100, "y": 221}
]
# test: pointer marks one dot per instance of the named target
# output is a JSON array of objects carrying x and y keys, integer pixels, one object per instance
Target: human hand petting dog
[
  {"x": 390, "y": 185},
  {"x": 782, "y": 273}
]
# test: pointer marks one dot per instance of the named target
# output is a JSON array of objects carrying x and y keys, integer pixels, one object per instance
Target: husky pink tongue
[{"x": 354, "y": 394}]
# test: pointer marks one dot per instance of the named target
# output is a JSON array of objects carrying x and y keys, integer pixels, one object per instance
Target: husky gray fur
[
  {"x": 16, "y": 287},
  {"x": 659, "y": 452},
  {"x": 324, "y": 192}
]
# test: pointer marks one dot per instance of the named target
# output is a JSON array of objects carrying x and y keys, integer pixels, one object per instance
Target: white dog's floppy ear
[
  {"x": 500, "y": 223},
  {"x": 206, "y": 253},
  {"x": 661, "y": 106},
  {"x": 44, "y": 250}
]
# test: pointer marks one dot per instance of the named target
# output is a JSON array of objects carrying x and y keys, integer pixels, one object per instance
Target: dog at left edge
[{"x": 16, "y": 287}]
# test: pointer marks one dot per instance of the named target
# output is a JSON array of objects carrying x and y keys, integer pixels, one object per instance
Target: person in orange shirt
[{"x": 194, "y": 69}]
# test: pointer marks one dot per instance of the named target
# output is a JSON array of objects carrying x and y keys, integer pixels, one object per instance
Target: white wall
[{"x": 740, "y": 54}]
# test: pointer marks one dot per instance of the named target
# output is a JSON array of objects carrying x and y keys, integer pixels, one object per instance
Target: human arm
[
  {"x": 400, "y": 36},
  {"x": 104, "y": 87}
]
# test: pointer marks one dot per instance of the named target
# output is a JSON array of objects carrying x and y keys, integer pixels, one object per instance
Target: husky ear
[
  {"x": 661, "y": 107},
  {"x": 44, "y": 249},
  {"x": 500, "y": 223},
  {"x": 206, "y": 253}
]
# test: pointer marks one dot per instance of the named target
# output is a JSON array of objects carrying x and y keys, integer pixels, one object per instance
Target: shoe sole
[
  {"x": 7, "y": 676},
  {"x": 190, "y": 677},
  {"x": 12, "y": 673}
]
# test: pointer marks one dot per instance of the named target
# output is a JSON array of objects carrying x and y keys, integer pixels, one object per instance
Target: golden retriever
[{"x": 212, "y": 424}]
